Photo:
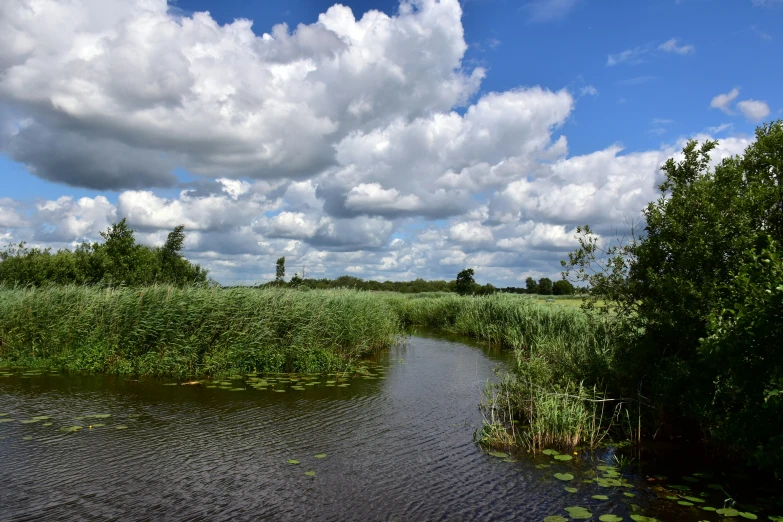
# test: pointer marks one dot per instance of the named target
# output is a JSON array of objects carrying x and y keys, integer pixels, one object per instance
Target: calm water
[{"x": 398, "y": 447}]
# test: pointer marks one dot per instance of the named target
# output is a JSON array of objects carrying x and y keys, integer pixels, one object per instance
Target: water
[{"x": 398, "y": 447}]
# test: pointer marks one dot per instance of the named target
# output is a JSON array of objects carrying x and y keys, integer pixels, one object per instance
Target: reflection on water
[{"x": 394, "y": 447}]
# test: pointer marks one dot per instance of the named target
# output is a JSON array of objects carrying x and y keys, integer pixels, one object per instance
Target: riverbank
[{"x": 165, "y": 330}]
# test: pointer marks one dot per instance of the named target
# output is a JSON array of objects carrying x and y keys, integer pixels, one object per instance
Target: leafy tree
[
  {"x": 531, "y": 285},
  {"x": 280, "y": 270},
  {"x": 465, "y": 282},
  {"x": 562, "y": 287},
  {"x": 545, "y": 286},
  {"x": 692, "y": 296},
  {"x": 296, "y": 280}
]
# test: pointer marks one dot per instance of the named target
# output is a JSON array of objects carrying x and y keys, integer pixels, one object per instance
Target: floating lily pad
[
  {"x": 121, "y": 427},
  {"x": 40, "y": 417},
  {"x": 279, "y": 391},
  {"x": 749, "y": 516},
  {"x": 694, "y": 499},
  {"x": 498, "y": 454},
  {"x": 564, "y": 476},
  {"x": 629, "y": 495},
  {"x": 310, "y": 473},
  {"x": 775, "y": 518},
  {"x": 293, "y": 461},
  {"x": 550, "y": 452},
  {"x": 600, "y": 497},
  {"x": 28, "y": 421},
  {"x": 570, "y": 489},
  {"x": 320, "y": 456},
  {"x": 563, "y": 457},
  {"x": 46, "y": 424},
  {"x": 606, "y": 468},
  {"x": 728, "y": 512},
  {"x": 578, "y": 513},
  {"x": 679, "y": 487},
  {"x": 171, "y": 384},
  {"x": 684, "y": 503},
  {"x": 610, "y": 518},
  {"x": 555, "y": 518},
  {"x": 27, "y": 437},
  {"x": 708, "y": 508},
  {"x": 99, "y": 425},
  {"x": 299, "y": 388},
  {"x": 5, "y": 419},
  {"x": 3, "y": 415},
  {"x": 71, "y": 429}
]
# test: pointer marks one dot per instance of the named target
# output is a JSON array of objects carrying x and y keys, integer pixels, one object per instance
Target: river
[{"x": 393, "y": 446}]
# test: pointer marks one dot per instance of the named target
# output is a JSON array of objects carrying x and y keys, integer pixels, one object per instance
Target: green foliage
[
  {"x": 563, "y": 287},
  {"x": 465, "y": 282},
  {"x": 531, "y": 285},
  {"x": 118, "y": 261},
  {"x": 545, "y": 286},
  {"x": 165, "y": 330},
  {"x": 695, "y": 295},
  {"x": 280, "y": 270}
]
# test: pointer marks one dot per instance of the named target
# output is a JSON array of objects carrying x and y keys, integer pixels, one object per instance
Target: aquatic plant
[{"x": 165, "y": 330}]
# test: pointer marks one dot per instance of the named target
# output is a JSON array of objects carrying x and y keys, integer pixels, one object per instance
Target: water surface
[{"x": 398, "y": 445}]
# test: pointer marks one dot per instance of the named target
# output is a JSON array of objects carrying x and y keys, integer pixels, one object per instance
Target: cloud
[
  {"x": 548, "y": 10},
  {"x": 754, "y": 110},
  {"x": 156, "y": 90},
  {"x": 723, "y": 101},
  {"x": 632, "y": 56},
  {"x": 670, "y": 46}
]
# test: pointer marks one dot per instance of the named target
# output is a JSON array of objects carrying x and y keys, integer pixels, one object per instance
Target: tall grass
[
  {"x": 564, "y": 356},
  {"x": 164, "y": 330}
]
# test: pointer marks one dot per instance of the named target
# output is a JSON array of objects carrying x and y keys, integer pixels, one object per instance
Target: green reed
[{"x": 164, "y": 330}]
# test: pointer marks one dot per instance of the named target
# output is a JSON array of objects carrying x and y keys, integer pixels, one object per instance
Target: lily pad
[
  {"x": 46, "y": 424},
  {"x": 321, "y": 456},
  {"x": 28, "y": 421},
  {"x": 563, "y": 457},
  {"x": 600, "y": 497},
  {"x": 498, "y": 454},
  {"x": 6, "y": 420},
  {"x": 293, "y": 461},
  {"x": 99, "y": 425},
  {"x": 310, "y": 473},
  {"x": 684, "y": 503},
  {"x": 550, "y": 452},
  {"x": 728, "y": 512},
  {"x": 627, "y": 494},
  {"x": 555, "y": 518},
  {"x": 694, "y": 499},
  {"x": 564, "y": 476},
  {"x": 749, "y": 516},
  {"x": 570, "y": 490},
  {"x": 71, "y": 429},
  {"x": 121, "y": 427},
  {"x": 279, "y": 391},
  {"x": 40, "y": 417},
  {"x": 610, "y": 518},
  {"x": 578, "y": 513},
  {"x": 775, "y": 518},
  {"x": 27, "y": 437}
]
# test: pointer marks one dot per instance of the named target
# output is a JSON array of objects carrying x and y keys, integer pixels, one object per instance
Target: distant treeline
[
  {"x": 119, "y": 261},
  {"x": 417, "y": 286}
]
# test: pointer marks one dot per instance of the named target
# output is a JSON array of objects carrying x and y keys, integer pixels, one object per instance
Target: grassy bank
[
  {"x": 565, "y": 358},
  {"x": 163, "y": 330}
]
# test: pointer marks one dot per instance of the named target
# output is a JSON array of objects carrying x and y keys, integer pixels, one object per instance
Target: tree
[
  {"x": 545, "y": 286},
  {"x": 280, "y": 270},
  {"x": 562, "y": 287},
  {"x": 531, "y": 286},
  {"x": 296, "y": 280},
  {"x": 697, "y": 293},
  {"x": 465, "y": 282}
]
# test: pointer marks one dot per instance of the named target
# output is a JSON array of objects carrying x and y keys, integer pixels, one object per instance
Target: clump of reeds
[{"x": 164, "y": 330}]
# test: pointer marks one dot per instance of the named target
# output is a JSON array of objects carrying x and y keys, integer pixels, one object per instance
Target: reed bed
[{"x": 164, "y": 330}]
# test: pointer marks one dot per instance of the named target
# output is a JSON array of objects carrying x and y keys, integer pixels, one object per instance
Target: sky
[{"x": 381, "y": 139}]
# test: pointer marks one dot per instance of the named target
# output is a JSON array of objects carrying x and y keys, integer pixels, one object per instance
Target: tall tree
[
  {"x": 545, "y": 286},
  {"x": 531, "y": 286},
  {"x": 465, "y": 282},
  {"x": 280, "y": 270}
]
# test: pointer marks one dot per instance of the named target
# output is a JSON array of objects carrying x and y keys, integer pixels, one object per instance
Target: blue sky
[{"x": 409, "y": 142}]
